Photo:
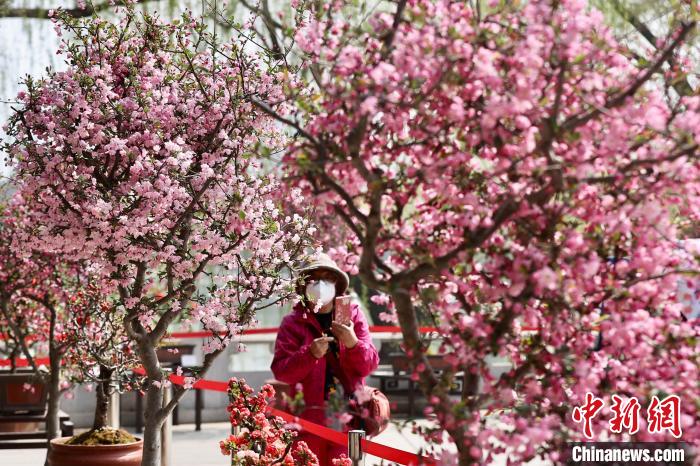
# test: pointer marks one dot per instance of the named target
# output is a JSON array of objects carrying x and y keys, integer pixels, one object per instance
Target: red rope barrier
[
  {"x": 373, "y": 329},
  {"x": 377, "y": 449},
  {"x": 388, "y": 453},
  {"x": 258, "y": 331}
]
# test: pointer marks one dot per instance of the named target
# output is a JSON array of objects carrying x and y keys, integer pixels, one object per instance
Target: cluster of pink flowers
[
  {"x": 262, "y": 439},
  {"x": 56, "y": 308},
  {"x": 157, "y": 182}
]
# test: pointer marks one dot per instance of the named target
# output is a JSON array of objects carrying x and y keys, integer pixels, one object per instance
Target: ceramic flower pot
[{"x": 61, "y": 454}]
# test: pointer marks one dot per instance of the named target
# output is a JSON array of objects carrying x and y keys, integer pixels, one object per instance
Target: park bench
[{"x": 23, "y": 412}]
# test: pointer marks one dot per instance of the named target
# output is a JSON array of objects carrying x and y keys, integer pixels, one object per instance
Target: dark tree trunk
[
  {"x": 53, "y": 427},
  {"x": 365, "y": 293},
  {"x": 427, "y": 381},
  {"x": 153, "y": 405},
  {"x": 103, "y": 398},
  {"x": 152, "y": 425}
]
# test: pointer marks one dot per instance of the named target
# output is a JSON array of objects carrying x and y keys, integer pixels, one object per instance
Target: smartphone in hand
[{"x": 342, "y": 310}]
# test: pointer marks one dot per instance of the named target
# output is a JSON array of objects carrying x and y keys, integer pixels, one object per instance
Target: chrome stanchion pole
[
  {"x": 355, "y": 454},
  {"x": 113, "y": 419},
  {"x": 166, "y": 433}
]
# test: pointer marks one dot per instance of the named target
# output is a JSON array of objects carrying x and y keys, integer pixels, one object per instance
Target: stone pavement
[{"x": 192, "y": 448}]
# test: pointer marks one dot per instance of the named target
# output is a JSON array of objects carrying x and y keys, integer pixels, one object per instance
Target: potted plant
[
  {"x": 102, "y": 445},
  {"x": 102, "y": 355},
  {"x": 259, "y": 437},
  {"x": 61, "y": 309}
]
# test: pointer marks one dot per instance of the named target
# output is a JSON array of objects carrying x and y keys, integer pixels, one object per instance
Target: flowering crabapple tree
[
  {"x": 31, "y": 298},
  {"x": 499, "y": 167},
  {"x": 144, "y": 158},
  {"x": 57, "y": 308},
  {"x": 100, "y": 351}
]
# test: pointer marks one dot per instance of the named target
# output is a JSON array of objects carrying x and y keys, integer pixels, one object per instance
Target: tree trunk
[
  {"x": 365, "y": 293},
  {"x": 152, "y": 425},
  {"x": 470, "y": 385},
  {"x": 103, "y": 398},
  {"x": 154, "y": 403},
  {"x": 427, "y": 381},
  {"x": 155, "y": 411},
  {"x": 53, "y": 427}
]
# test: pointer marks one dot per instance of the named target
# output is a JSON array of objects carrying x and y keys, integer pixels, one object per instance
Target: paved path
[{"x": 202, "y": 448}]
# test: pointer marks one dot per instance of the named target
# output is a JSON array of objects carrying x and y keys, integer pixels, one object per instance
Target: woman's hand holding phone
[
  {"x": 345, "y": 333},
  {"x": 319, "y": 347},
  {"x": 342, "y": 326}
]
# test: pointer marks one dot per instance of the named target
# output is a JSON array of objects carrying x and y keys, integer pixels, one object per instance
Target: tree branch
[
  {"x": 44, "y": 13},
  {"x": 683, "y": 87},
  {"x": 576, "y": 121}
]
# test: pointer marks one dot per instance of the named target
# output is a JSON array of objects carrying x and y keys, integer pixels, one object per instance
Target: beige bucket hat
[{"x": 324, "y": 261}]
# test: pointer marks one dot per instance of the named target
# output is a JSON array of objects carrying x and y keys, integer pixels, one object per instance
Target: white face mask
[{"x": 320, "y": 292}]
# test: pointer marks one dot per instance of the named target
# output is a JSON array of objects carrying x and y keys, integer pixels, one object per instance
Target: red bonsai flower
[{"x": 262, "y": 438}]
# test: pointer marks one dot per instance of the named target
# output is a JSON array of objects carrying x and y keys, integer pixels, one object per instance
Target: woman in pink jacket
[{"x": 311, "y": 346}]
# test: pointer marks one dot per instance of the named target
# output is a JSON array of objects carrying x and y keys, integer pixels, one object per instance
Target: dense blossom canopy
[
  {"x": 511, "y": 167},
  {"x": 144, "y": 158}
]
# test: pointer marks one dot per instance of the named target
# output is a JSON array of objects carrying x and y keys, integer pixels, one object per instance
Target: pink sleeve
[
  {"x": 293, "y": 360},
  {"x": 362, "y": 359}
]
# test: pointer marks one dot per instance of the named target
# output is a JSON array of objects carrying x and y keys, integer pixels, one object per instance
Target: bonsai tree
[
  {"x": 144, "y": 158},
  {"x": 101, "y": 354},
  {"x": 33, "y": 302},
  {"x": 499, "y": 167},
  {"x": 59, "y": 309},
  {"x": 261, "y": 438}
]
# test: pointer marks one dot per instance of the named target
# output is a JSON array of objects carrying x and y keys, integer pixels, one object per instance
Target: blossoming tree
[
  {"x": 504, "y": 167},
  {"x": 57, "y": 309},
  {"x": 144, "y": 159},
  {"x": 31, "y": 303}
]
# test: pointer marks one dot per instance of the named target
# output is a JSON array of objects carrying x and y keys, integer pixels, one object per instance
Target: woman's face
[{"x": 321, "y": 288}]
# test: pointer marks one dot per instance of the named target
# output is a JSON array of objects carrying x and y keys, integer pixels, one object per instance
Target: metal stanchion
[
  {"x": 166, "y": 432},
  {"x": 113, "y": 419},
  {"x": 355, "y": 438}
]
